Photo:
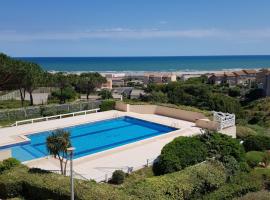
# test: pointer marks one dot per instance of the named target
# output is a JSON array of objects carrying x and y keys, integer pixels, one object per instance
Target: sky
[{"x": 134, "y": 27}]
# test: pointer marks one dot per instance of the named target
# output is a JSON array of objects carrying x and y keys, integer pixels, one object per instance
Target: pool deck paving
[{"x": 101, "y": 165}]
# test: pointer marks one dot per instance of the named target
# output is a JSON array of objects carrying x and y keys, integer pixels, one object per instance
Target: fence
[
  {"x": 107, "y": 176},
  {"x": 11, "y": 95},
  {"x": 47, "y": 110},
  {"x": 54, "y": 117}
]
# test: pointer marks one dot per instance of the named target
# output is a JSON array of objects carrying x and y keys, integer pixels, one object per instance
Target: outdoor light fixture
[{"x": 70, "y": 151}]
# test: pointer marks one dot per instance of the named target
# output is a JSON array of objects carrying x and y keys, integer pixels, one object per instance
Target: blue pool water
[{"x": 93, "y": 137}]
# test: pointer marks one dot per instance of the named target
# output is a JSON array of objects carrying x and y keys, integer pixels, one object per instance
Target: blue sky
[{"x": 134, "y": 27}]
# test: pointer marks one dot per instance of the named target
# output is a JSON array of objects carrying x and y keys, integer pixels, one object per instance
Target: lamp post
[{"x": 70, "y": 151}]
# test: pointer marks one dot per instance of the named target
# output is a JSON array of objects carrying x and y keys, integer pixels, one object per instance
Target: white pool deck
[{"x": 100, "y": 165}]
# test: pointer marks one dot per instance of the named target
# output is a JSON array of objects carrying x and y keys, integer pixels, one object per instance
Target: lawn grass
[
  {"x": 10, "y": 104},
  {"x": 4, "y": 123}
]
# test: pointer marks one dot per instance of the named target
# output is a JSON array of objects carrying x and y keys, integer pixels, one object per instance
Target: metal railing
[
  {"x": 107, "y": 176},
  {"x": 17, "y": 123}
]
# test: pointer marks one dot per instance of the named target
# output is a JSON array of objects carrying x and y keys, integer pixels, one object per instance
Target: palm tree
[{"x": 57, "y": 144}]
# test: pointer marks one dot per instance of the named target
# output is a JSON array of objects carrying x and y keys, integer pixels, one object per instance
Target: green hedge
[
  {"x": 254, "y": 158},
  {"x": 189, "y": 183},
  {"x": 257, "y": 143},
  {"x": 38, "y": 185},
  {"x": 180, "y": 153},
  {"x": 221, "y": 145},
  {"x": 8, "y": 164},
  {"x": 107, "y": 105},
  {"x": 118, "y": 177},
  {"x": 240, "y": 185},
  {"x": 261, "y": 195}
]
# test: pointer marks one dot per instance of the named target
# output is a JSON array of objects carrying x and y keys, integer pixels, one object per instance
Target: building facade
[{"x": 159, "y": 78}]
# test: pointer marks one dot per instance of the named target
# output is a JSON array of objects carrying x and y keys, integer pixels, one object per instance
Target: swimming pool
[{"x": 93, "y": 137}]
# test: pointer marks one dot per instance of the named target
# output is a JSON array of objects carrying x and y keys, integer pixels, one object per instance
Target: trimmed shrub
[
  {"x": 257, "y": 143},
  {"x": 244, "y": 131},
  {"x": 261, "y": 195},
  {"x": 254, "y": 158},
  {"x": 231, "y": 165},
  {"x": 244, "y": 167},
  {"x": 189, "y": 183},
  {"x": 8, "y": 164},
  {"x": 239, "y": 185},
  {"x": 118, "y": 177},
  {"x": 105, "y": 94},
  {"x": 107, "y": 105},
  {"x": 37, "y": 185},
  {"x": 220, "y": 145},
  {"x": 180, "y": 153}
]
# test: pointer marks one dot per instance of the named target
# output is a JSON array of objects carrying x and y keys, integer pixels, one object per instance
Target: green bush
[
  {"x": 105, "y": 94},
  {"x": 67, "y": 93},
  {"x": 244, "y": 167},
  {"x": 239, "y": 185},
  {"x": 261, "y": 195},
  {"x": 220, "y": 145},
  {"x": 223, "y": 103},
  {"x": 257, "y": 143},
  {"x": 234, "y": 92},
  {"x": 180, "y": 153},
  {"x": 254, "y": 158},
  {"x": 189, "y": 183},
  {"x": 107, "y": 105},
  {"x": 159, "y": 97},
  {"x": 37, "y": 185},
  {"x": 8, "y": 164},
  {"x": 118, "y": 177},
  {"x": 244, "y": 131},
  {"x": 231, "y": 165}
]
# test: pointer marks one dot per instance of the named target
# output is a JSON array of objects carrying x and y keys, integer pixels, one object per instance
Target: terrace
[{"x": 128, "y": 157}]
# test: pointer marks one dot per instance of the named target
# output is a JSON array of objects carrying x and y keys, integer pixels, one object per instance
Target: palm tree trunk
[
  {"x": 65, "y": 167},
  {"x": 61, "y": 164}
]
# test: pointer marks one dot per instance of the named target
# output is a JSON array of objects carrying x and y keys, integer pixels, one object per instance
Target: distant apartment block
[
  {"x": 263, "y": 80},
  {"x": 117, "y": 79},
  {"x": 107, "y": 85},
  {"x": 159, "y": 78},
  {"x": 242, "y": 77}
]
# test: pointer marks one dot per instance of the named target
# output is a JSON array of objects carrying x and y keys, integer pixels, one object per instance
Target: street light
[{"x": 70, "y": 151}]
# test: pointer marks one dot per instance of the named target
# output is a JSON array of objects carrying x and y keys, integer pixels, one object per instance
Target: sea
[{"x": 156, "y": 63}]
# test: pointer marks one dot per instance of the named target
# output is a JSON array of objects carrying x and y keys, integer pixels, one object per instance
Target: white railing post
[{"x": 55, "y": 116}]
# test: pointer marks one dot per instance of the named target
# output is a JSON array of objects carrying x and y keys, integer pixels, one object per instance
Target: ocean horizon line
[
  {"x": 148, "y": 64},
  {"x": 147, "y": 56}
]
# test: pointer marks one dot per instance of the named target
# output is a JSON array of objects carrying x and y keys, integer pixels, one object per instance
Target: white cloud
[
  {"x": 124, "y": 33},
  {"x": 163, "y": 22}
]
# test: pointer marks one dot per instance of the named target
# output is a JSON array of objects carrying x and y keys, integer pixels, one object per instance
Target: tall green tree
[
  {"x": 7, "y": 70},
  {"x": 88, "y": 82},
  {"x": 57, "y": 144},
  {"x": 105, "y": 94},
  {"x": 61, "y": 81},
  {"x": 33, "y": 78}
]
